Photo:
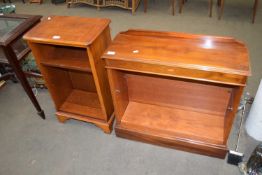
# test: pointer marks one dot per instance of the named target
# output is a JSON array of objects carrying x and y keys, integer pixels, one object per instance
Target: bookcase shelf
[
  {"x": 82, "y": 103},
  {"x": 73, "y": 63},
  {"x": 78, "y": 88},
  {"x": 173, "y": 122}
]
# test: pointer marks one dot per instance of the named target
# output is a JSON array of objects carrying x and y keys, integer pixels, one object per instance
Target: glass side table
[{"x": 13, "y": 49}]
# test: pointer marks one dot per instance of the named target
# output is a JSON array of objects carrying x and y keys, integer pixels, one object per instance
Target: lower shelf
[
  {"x": 83, "y": 103},
  {"x": 186, "y": 130}
]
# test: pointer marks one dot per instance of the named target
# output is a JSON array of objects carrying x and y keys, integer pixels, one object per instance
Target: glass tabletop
[{"x": 9, "y": 24}]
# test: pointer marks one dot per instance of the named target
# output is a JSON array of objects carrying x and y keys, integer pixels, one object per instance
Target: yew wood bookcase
[
  {"x": 176, "y": 90},
  {"x": 67, "y": 51}
]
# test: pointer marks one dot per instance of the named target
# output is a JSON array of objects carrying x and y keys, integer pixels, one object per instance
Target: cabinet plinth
[
  {"x": 71, "y": 66},
  {"x": 176, "y": 90}
]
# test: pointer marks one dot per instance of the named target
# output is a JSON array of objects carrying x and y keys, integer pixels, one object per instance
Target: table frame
[{"x": 6, "y": 44}]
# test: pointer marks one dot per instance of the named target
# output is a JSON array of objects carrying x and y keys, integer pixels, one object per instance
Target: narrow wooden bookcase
[
  {"x": 67, "y": 51},
  {"x": 176, "y": 90}
]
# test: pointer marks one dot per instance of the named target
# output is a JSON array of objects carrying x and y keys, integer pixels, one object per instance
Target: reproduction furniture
[
  {"x": 176, "y": 90},
  {"x": 126, "y": 4},
  {"x": 13, "y": 49},
  {"x": 221, "y": 4},
  {"x": 67, "y": 50}
]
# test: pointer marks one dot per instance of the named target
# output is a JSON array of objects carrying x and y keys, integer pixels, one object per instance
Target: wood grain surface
[
  {"x": 198, "y": 52},
  {"x": 68, "y": 52},
  {"x": 72, "y": 30},
  {"x": 176, "y": 90}
]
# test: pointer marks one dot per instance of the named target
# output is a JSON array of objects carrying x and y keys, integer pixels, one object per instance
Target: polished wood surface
[
  {"x": 189, "y": 93},
  {"x": 119, "y": 91},
  {"x": 183, "y": 144},
  {"x": 226, "y": 55},
  {"x": 82, "y": 103},
  {"x": 174, "y": 128},
  {"x": 71, "y": 30},
  {"x": 72, "y": 68},
  {"x": 207, "y": 76},
  {"x": 176, "y": 90},
  {"x": 174, "y": 121},
  {"x": 65, "y": 57}
]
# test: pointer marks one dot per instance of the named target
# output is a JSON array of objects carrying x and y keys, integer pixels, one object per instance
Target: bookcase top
[
  {"x": 199, "y": 52},
  {"x": 67, "y": 30}
]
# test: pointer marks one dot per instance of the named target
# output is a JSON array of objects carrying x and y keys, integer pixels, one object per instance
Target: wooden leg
[
  {"x": 254, "y": 11},
  {"x": 210, "y": 7},
  {"x": 61, "y": 119},
  {"x": 181, "y": 5},
  {"x": 173, "y": 7},
  {"x": 106, "y": 127},
  {"x": 221, "y": 9},
  {"x": 218, "y": 3},
  {"x": 133, "y": 7},
  {"x": 145, "y": 6},
  {"x": 12, "y": 59}
]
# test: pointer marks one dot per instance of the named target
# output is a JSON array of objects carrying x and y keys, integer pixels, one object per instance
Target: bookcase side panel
[
  {"x": 119, "y": 91},
  {"x": 57, "y": 80},
  {"x": 95, "y": 52}
]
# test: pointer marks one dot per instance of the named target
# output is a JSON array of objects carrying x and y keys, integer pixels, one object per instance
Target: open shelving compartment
[
  {"x": 77, "y": 92},
  {"x": 70, "y": 63},
  {"x": 176, "y": 90},
  {"x": 67, "y": 70},
  {"x": 65, "y": 57},
  {"x": 172, "y": 112}
]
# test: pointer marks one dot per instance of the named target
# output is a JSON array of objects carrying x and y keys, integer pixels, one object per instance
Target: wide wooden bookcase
[
  {"x": 176, "y": 90},
  {"x": 67, "y": 51}
]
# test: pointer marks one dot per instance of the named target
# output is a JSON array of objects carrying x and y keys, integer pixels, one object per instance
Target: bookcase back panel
[
  {"x": 62, "y": 57},
  {"x": 82, "y": 81},
  {"x": 61, "y": 51},
  {"x": 58, "y": 83},
  {"x": 70, "y": 52},
  {"x": 188, "y": 95}
]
